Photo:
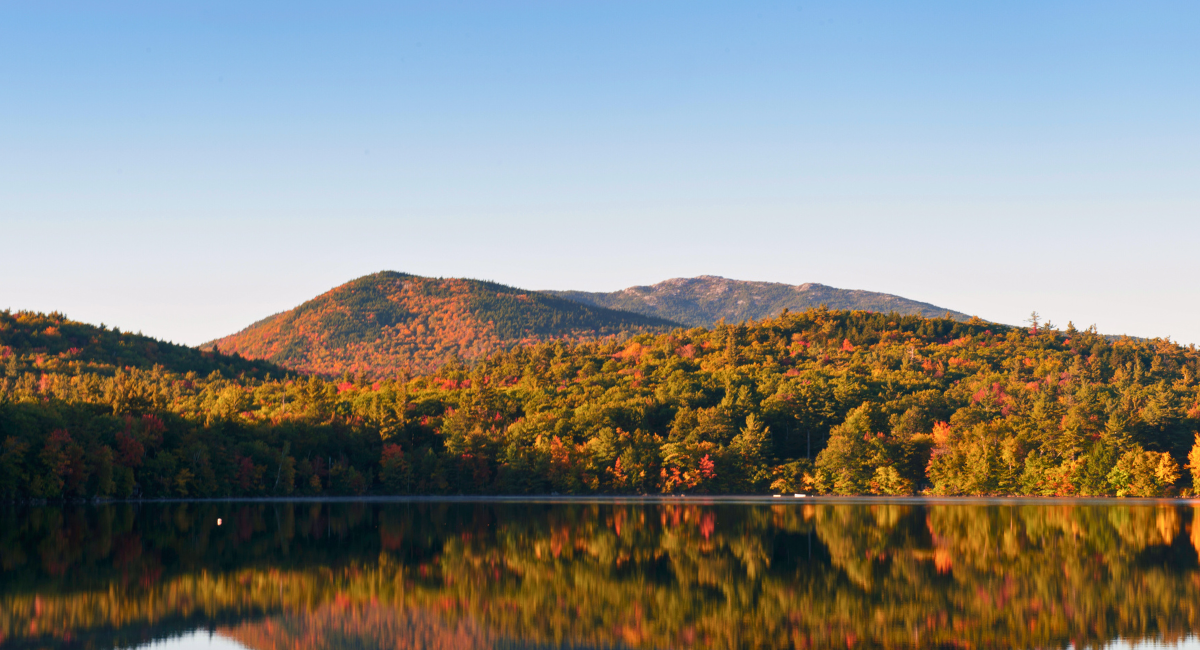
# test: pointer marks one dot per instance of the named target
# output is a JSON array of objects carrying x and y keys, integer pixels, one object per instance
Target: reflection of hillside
[
  {"x": 345, "y": 626},
  {"x": 340, "y": 626},
  {"x": 468, "y": 575}
]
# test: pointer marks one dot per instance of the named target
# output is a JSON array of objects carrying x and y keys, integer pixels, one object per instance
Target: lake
[{"x": 601, "y": 573}]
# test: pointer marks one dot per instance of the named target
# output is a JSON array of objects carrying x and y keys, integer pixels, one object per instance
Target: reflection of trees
[
  {"x": 1082, "y": 572},
  {"x": 1029, "y": 576},
  {"x": 666, "y": 575}
]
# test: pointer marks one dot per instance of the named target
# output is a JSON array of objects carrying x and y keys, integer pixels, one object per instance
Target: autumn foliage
[
  {"x": 821, "y": 401},
  {"x": 390, "y": 325}
]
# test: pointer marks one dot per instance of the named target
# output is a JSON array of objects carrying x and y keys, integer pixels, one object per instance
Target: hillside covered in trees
[
  {"x": 30, "y": 341},
  {"x": 387, "y": 324},
  {"x": 828, "y": 401},
  {"x": 706, "y": 300}
]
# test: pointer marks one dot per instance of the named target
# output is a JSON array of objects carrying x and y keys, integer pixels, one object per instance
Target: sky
[{"x": 184, "y": 169}]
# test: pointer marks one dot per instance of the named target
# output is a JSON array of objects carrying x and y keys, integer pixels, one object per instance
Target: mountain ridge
[
  {"x": 705, "y": 300},
  {"x": 390, "y": 323}
]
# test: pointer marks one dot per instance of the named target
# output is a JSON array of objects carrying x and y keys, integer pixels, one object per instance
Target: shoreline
[{"x": 648, "y": 499}]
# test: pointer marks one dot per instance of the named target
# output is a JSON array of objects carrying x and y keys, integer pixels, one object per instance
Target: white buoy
[
  {"x": 218, "y": 521},
  {"x": 799, "y": 496}
]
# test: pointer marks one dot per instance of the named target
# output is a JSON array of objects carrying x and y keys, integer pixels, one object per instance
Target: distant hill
[
  {"x": 30, "y": 341},
  {"x": 705, "y": 300},
  {"x": 389, "y": 323}
]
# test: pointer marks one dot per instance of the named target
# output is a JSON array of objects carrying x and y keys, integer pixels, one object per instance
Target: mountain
[
  {"x": 390, "y": 323},
  {"x": 33, "y": 341},
  {"x": 703, "y": 301}
]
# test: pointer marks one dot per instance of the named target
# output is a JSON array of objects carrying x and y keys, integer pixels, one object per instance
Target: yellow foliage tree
[{"x": 1194, "y": 464}]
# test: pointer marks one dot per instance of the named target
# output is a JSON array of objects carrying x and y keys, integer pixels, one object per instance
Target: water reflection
[
  {"x": 639, "y": 575},
  {"x": 197, "y": 640}
]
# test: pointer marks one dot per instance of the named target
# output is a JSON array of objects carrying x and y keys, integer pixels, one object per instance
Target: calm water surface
[{"x": 675, "y": 573}]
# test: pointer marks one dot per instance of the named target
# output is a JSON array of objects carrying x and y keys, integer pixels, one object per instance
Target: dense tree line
[{"x": 828, "y": 401}]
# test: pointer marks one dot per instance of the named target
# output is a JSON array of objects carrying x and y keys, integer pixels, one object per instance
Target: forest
[{"x": 821, "y": 401}]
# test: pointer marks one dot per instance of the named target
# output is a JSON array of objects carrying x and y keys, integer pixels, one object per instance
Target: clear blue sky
[{"x": 186, "y": 168}]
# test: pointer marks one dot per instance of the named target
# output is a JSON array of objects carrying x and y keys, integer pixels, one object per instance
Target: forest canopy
[{"x": 825, "y": 401}]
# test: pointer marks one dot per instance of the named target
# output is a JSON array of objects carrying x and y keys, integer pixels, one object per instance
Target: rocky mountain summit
[{"x": 705, "y": 300}]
